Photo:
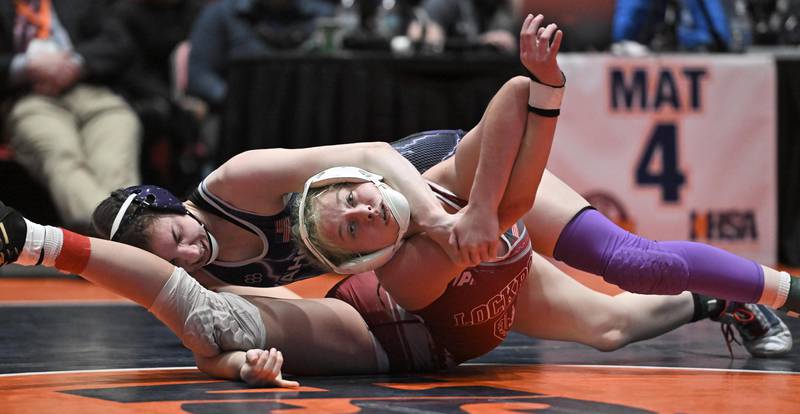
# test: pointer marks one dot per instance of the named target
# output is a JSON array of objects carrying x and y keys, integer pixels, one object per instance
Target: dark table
[{"x": 300, "y": 101}]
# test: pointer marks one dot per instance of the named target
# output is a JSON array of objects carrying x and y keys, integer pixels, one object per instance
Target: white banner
[{"x": 675, "y": 147}]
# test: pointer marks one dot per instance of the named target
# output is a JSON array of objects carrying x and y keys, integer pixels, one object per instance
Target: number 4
[{"x": 664, "y": 138}]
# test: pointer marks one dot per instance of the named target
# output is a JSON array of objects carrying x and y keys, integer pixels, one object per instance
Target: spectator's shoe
[
  {"x": 12, "y": 234},
  {"x": 763, "y": 333},
  {"x": 629, "y": 48}
]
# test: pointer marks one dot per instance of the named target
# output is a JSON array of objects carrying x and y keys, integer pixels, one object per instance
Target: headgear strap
[{"x": 120, "y": 214}]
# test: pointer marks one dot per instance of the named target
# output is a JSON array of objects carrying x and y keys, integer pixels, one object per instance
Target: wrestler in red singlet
[{"x": 472, "y": 317}]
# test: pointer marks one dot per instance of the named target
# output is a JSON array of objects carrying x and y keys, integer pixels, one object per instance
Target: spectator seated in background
[
  {"x": 228, "y": 29},
  {"x": 171, "y": 121},
  {"x": 467, "y": 24},
  {"x": 66, "y": 127},
  {"x": 667, "y": 25}
]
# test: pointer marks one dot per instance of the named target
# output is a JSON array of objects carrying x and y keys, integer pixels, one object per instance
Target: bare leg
[
  {"x": 552, "y": 305},
  {"x": 555, "y": 205},
  {"x": 325, "y": 336},
  {"x": 502, "y": 126},
  {"x": 508, "y": 141}
]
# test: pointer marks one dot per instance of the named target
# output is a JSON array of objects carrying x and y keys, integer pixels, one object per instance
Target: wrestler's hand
[
  {"x": 262, "y": 368},
  {"x": 475, "y": 235},
  {"x": 440, "y": 230},
  {"x": 538, "y": 47}
]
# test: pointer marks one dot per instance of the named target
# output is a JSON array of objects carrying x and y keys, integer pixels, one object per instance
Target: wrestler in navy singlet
[
  {"x": 428, "y": 148},
  {"x": 280, "y": 263}
]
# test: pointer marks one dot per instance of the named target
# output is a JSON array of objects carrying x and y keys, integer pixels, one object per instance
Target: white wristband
[{"x": 545, "y": 97}]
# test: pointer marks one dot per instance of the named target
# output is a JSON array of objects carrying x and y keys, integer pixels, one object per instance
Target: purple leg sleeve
[{"x": 592, "y": 243}]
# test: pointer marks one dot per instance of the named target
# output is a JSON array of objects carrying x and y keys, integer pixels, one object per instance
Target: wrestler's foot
[
  {"x": 763, "y": 333},
  {"x": 12, "y": 234}
]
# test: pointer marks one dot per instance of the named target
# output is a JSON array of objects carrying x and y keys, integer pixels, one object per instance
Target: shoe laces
[
  {"x": 740, "y": 316},
  {"x": 7, "y": 250}
]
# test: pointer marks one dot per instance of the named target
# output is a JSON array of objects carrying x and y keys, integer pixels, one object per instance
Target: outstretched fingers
[
  {"x": 539, "y": 46},
  {"x": 527, "y": 35}
]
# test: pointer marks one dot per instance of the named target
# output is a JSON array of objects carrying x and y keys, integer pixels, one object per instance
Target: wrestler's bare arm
[{"x": 257, "y": 180}]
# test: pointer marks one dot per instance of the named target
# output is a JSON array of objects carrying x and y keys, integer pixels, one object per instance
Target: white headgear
[{"x": 397, "y": 203}]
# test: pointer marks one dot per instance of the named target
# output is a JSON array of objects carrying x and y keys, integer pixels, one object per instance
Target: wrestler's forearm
[
  {"x": 262, "y": 368},
  {"x": 226, "y": 365},
  {"x": 501, "y": 131},
  {"x": 528, "y": 168},
  {"x": 241, "y": 179},
  {"x": 539, "y": 46}
]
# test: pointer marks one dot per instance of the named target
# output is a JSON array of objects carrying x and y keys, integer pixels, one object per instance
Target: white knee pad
[{"x": 208, "y": 322}]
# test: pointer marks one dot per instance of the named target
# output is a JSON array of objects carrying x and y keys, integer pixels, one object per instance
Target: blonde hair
[{"x": 311, "y": 217}]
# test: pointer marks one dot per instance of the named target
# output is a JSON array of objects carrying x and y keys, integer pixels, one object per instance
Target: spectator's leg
[
  {"x": 111, "y": 134},
  {"x": 47, "y": 143}
]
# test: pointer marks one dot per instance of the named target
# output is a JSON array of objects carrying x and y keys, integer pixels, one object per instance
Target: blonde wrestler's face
[
  {"x": 355, "y": 218},
  {"x": 181, "y": 240}
]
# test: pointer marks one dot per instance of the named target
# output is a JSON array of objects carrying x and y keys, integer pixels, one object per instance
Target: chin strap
[
  {"x": 212, "y": 241},
  {"x": 213, "y": 245}
]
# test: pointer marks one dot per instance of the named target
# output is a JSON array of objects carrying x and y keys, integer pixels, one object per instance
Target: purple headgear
[{"x": 155, "y": 198}]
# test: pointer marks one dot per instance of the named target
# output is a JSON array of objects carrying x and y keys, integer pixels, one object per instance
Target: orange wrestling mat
[
  {"x": 27, "y": 290},
  {"x": 471, "y": 389}
]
